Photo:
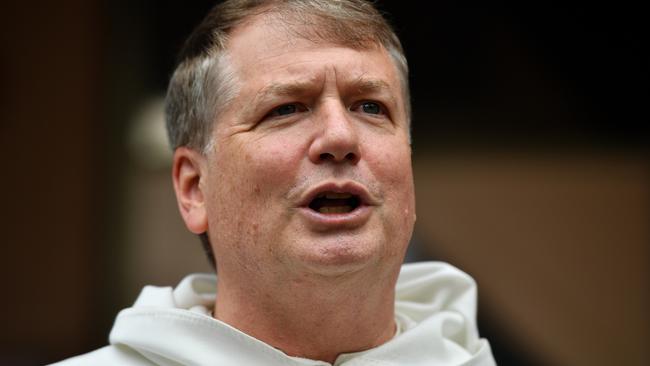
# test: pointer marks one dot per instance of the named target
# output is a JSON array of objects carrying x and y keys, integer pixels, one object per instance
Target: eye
[
  {"x": 286, "y": 109},
  {"x": 369, "y": 107}
]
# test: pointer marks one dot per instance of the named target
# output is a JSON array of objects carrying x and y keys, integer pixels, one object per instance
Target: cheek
[
  {"x": 272, "y": 165},
  {"x": 251, "y": 176},
  {"x": 259, "y": 158},
  {"x": 247, "y": 185},
  {"x": 391, "y": 166}
]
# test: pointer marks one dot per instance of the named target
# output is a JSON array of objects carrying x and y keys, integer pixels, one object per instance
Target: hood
[{"x": 435, "y": 310}]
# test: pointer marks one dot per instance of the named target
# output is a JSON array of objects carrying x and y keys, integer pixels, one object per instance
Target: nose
[{"x": 337, "y": 139}]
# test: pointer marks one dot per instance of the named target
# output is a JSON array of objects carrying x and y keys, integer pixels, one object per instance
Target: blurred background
[{"x": 530, "y": 158}]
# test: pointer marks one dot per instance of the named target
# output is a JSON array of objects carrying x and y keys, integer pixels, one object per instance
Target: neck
[{"x": 315, "y": 317}]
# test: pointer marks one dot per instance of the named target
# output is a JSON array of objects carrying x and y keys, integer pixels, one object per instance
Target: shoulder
[{"x": 109, "y": 355}]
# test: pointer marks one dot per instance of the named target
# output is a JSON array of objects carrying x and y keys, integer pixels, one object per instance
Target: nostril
[
  {"x": 350, "y": 157},
  {"x": 326, "y": 156}
]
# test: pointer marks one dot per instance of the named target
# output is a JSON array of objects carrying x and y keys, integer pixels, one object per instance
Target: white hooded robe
[{"x": 435, "y": 310}]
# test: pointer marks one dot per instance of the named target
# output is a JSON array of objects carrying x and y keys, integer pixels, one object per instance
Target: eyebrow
[
  {"x": 373, "y": 86},
  {"x": 361, "y": 85},
  {"x": 365, "y": 85},
  {"x": 283, "y": 89}
]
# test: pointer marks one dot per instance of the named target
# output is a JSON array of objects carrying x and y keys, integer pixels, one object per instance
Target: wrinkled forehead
[{"x": 264, "y": 51}]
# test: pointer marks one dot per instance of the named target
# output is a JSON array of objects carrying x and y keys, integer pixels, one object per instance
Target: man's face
[{"x": 310, "y": 170}]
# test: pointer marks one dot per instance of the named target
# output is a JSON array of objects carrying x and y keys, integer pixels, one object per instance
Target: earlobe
[{"x": 187, "y": 172}]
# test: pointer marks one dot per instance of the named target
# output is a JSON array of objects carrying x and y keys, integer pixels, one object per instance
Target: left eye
[{"x": 369, "y": 108}]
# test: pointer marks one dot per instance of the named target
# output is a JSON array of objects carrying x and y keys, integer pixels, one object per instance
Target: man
[{"x": 290, "y": 126}]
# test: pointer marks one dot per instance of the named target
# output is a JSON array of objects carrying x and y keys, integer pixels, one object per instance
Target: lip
[
  {"x": 343, "y": 187},
  {"x": 348, "y": 220}
]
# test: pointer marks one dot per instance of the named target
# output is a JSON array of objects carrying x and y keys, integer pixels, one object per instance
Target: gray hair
[{"x": 204, "y": 82}]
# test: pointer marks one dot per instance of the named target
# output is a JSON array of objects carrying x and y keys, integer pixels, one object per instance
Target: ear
[{"x": 187, "y": 172}]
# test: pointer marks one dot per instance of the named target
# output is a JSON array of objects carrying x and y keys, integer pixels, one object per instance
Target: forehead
[{"x": 264, "y": 47}]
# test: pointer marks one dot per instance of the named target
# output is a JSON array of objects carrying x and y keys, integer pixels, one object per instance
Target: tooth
[{"x": 337, "y": 196}]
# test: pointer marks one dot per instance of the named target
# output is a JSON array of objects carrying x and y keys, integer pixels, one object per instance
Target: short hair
[{"x": 203, "y": 81}]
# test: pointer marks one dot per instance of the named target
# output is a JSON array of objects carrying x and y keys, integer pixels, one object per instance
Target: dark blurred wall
[
  {"x": 49, "y": 142},
  {"x": 559, "y": 245}
]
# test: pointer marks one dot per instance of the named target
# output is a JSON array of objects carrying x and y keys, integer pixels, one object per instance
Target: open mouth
[{"x": 335, "y": 203}]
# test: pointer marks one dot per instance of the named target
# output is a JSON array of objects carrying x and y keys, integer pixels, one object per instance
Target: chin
[{"x": 341, "y": 254}]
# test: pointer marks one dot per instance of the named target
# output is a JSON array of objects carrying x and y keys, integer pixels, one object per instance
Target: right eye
[{"x": 286, "y": 109}]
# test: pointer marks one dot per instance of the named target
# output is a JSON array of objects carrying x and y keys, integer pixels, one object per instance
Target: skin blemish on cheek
[{"x": 252, "y": 230}]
